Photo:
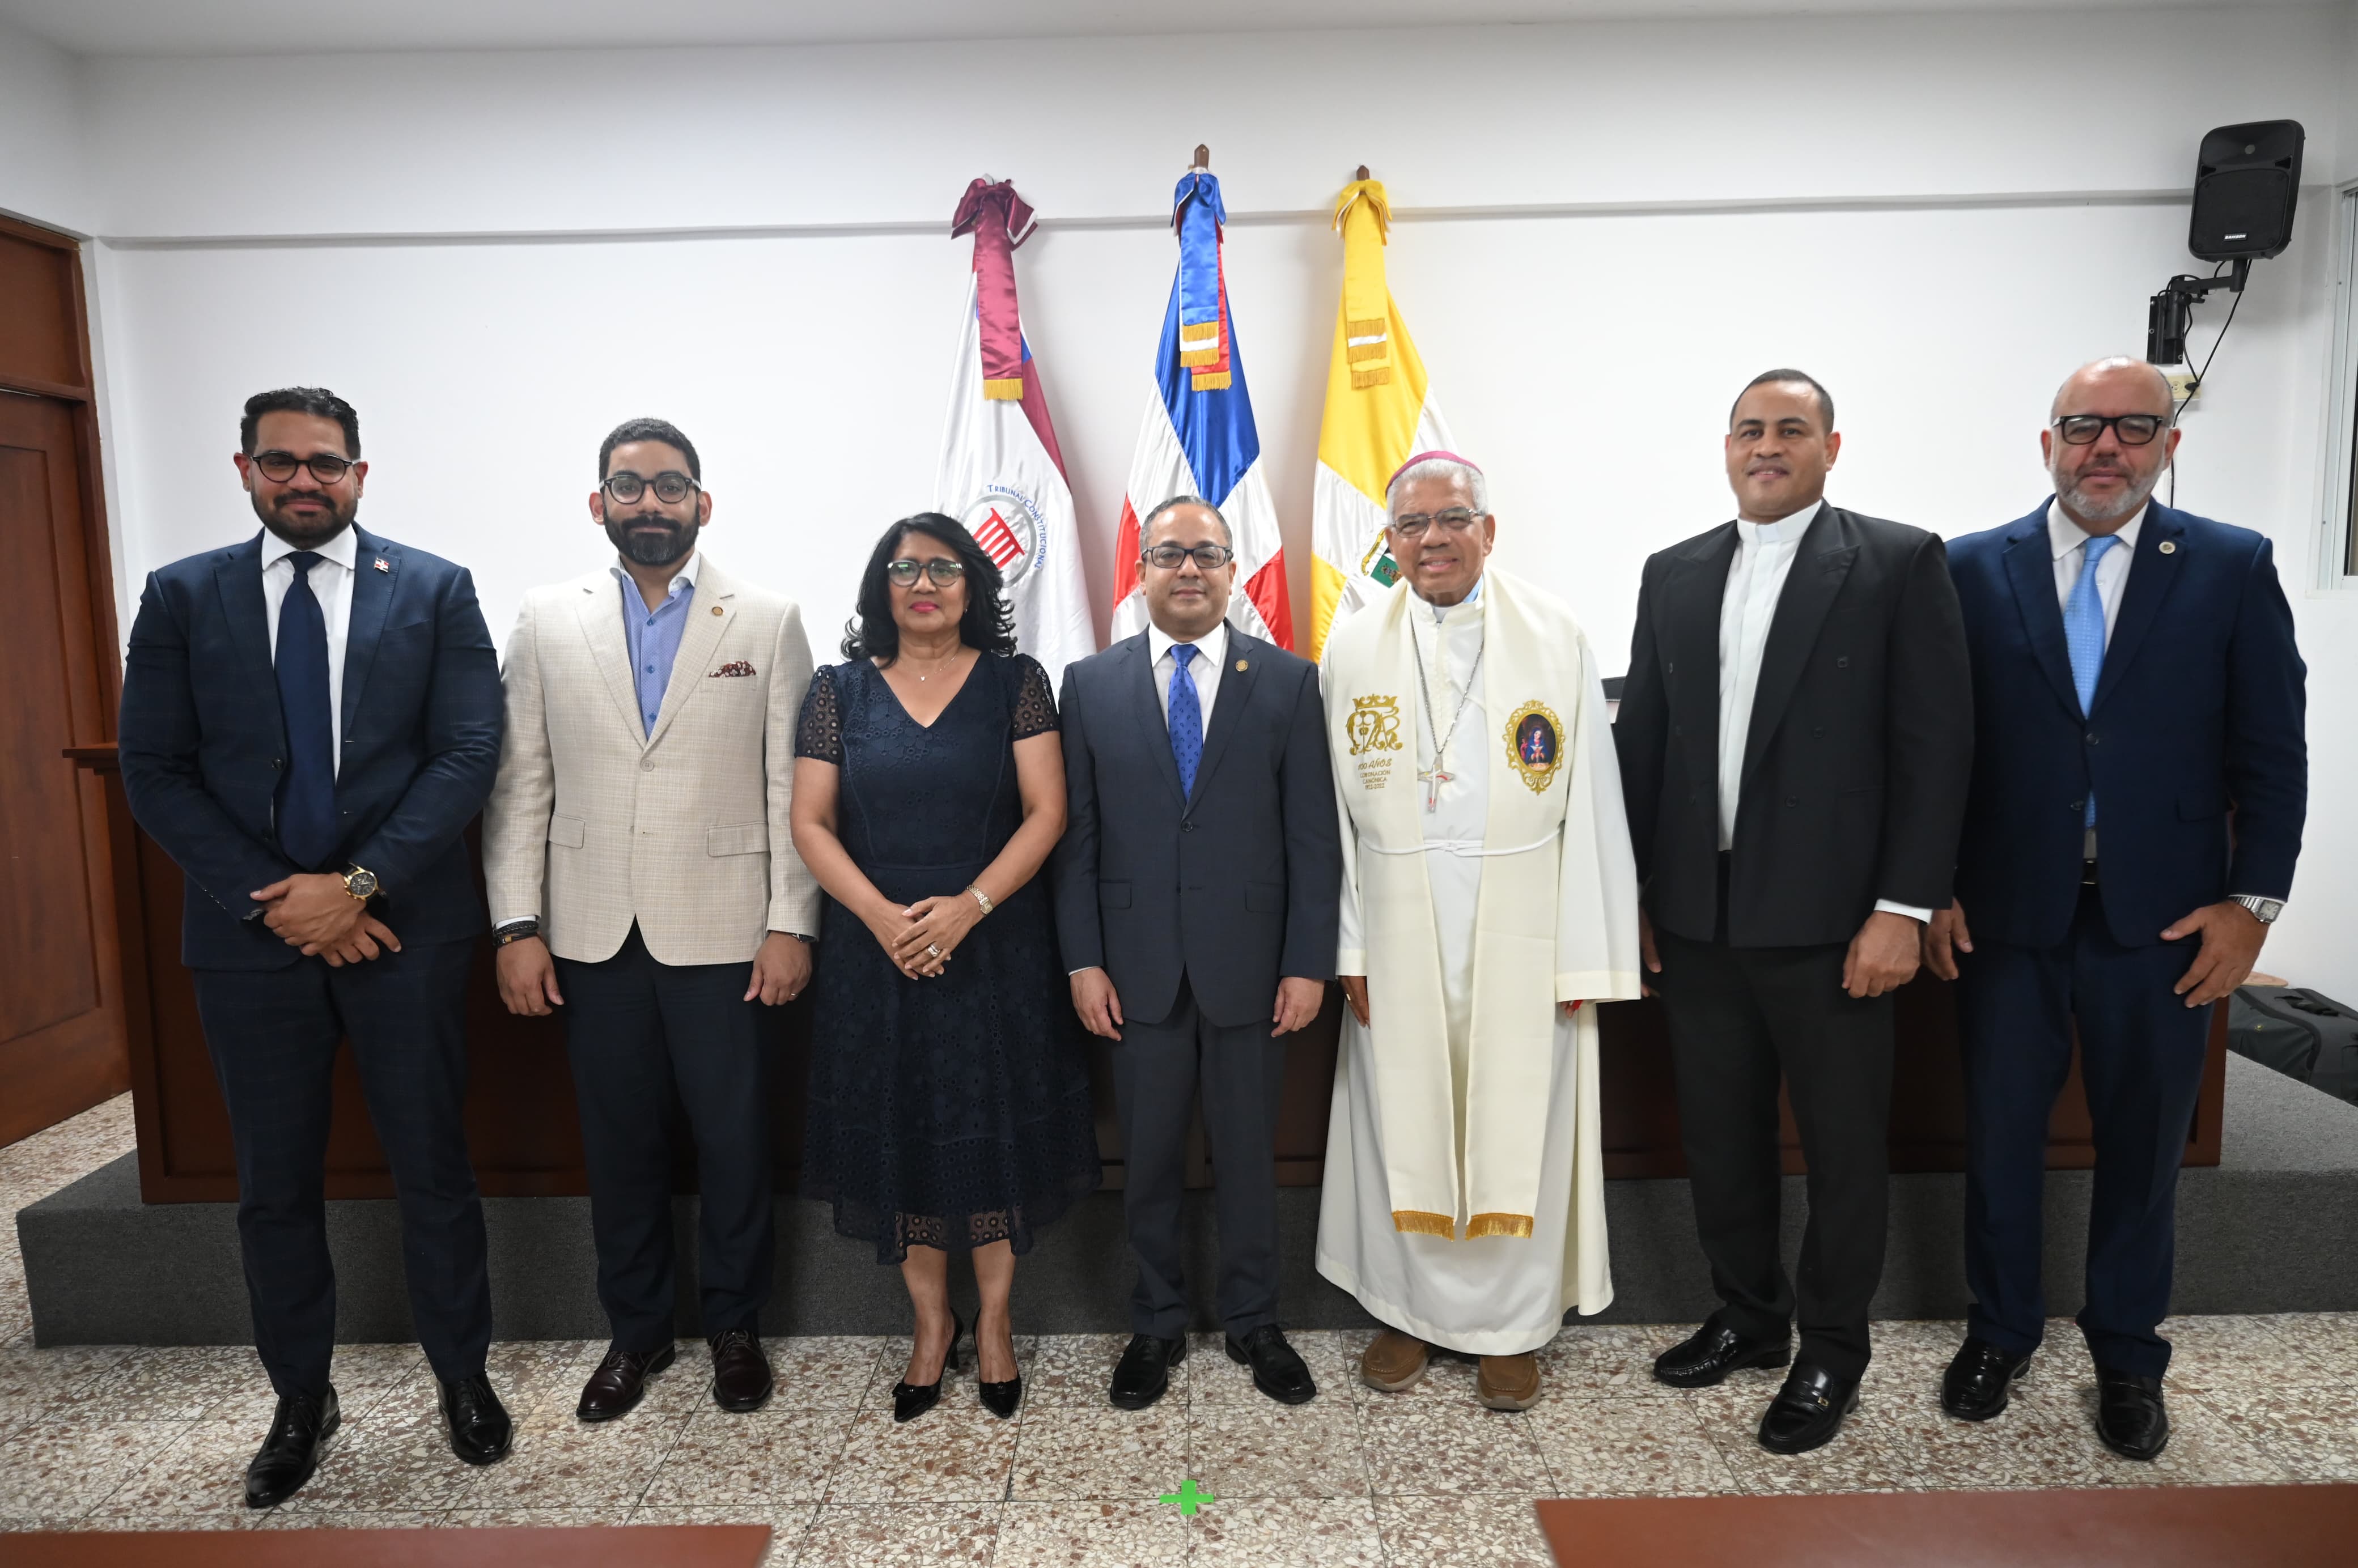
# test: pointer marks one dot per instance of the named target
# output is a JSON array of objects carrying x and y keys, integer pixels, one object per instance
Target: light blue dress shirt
[{"x": 653, "y": 634}]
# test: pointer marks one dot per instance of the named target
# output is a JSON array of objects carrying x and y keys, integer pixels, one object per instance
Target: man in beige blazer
[{"x": 642, "y": 877}]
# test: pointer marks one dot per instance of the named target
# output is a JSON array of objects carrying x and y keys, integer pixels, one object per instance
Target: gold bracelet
[{"x": 981, "y": 897}]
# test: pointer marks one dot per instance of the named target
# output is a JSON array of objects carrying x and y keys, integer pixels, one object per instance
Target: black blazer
[
  {"x": 202, "y": 742},
  {"x": 1237, "y": 884},
  {"x": 1857, "y": 758}
]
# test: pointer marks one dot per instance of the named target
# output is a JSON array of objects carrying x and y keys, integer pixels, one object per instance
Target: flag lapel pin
[{"x": 383, "y": 565}]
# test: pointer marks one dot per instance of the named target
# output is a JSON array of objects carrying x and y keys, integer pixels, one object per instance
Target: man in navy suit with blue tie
[
  {"x": 2139, "y": 782},
  {"x": 309, "y": 720}
]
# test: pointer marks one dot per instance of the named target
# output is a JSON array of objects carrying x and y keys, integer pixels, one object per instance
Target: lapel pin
[
  {"x": 716, "y": 609},
  {"x": 2169, "y": 547},
  {"x": 383, "y": 565},
  {"x": 1240, "y": 666}
]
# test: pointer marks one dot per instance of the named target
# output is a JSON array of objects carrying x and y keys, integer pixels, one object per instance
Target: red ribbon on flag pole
[{"x": 999, "y": 221}]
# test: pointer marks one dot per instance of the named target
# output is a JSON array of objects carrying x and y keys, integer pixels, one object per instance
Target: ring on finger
[{"x": 933, "y": 948}]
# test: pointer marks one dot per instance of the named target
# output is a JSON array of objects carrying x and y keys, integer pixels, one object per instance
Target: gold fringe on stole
[
  {"x": 1003, "y": 389},
  {"x": 1358, "y": 352},
  {"x": 1417, "y": 1222},
  {"x": 1193, "y": 332},
  {"x": 1363, "y": 379},
  {"x": 1211, "y": 381},
  {"x": 1516, "y": 1224},
  {"x": 1373, "y": 325},
  {"x": 1200, "y": 356}
]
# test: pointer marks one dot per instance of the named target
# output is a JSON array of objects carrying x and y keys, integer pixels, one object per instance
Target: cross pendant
[{"x": 1434, "y": 780}]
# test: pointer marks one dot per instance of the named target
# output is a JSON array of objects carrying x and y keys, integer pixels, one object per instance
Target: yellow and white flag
[{"x": 1378, "y": 414}]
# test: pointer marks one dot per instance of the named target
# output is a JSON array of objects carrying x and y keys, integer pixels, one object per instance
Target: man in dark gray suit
[{"x": 1196, "y": 892}]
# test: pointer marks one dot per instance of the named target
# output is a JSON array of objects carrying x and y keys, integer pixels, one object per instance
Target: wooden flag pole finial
[
  {"x": 1203, "y": 156},
  {"x": 1362, "y": 173}
]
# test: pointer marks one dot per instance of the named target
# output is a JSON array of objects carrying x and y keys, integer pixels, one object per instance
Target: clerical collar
[
  {"x": 1785, "y": 530},
  {"x": 1473, "y": 596}
]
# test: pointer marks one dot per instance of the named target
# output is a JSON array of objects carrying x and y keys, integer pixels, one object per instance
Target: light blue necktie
[
  {"x": 1186, "y": 717},
  {"x": 2083, "y": 634}
]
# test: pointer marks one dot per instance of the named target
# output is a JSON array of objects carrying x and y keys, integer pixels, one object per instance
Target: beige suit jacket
[{"x": 596, "y": 821}]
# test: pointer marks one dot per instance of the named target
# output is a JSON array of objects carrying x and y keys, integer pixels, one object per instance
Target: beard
[
  {"x": 307, "y": 533},
  {"x": 2100, "y": 509},
  {"x": 652, "y": 540}
]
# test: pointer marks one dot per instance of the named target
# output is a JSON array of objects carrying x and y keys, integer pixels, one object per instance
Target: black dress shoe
[
  {"x": 2129, "y": 1414},
  {"x": 1144, "y": 1371},
  {"x": 1980, "y": 1378},
  {"x": 1711, "y": 1352},
  {"x": 479, "y": 1428},
  {"x": 1278, "y": 1370},
  {"x": 740, "y": 1373},
  {"x": 1808, "y": 1411},
  {"x": 619, "y": 1381},
  {"x": 910, "y": 1401},
  {"x": 299, "y": 1436}
]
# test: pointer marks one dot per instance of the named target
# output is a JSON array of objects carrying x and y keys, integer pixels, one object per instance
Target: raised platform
[{"x": 2262, "y": 1231}]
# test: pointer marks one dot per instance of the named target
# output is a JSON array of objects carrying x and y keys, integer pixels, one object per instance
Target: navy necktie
[
  {"x": 306, "y": 789},
  {"x": 1186, "y": 717}
]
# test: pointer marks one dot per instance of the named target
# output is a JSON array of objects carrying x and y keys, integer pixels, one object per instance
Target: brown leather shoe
[
  {"x": 740, "y": 1373},
  {"x": 618, "y": 1382},
  {"x": 1394, "y": 1361},
  {"x": 1509, "y": 1382}
]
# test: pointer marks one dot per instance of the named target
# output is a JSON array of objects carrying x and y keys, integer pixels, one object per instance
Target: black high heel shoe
[
  {"x": 910, "y": 1401},
  {"x": 998, "y": 1398}
]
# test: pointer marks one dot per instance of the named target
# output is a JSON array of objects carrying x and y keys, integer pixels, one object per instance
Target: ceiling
[{"x": 273, "y": 26}]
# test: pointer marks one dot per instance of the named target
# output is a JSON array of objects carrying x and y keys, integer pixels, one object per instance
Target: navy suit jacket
[
  {"x": 202, "y": 743},
  {"x": 1238, "y": 883},
  {"x": 2198, "y": 713}
]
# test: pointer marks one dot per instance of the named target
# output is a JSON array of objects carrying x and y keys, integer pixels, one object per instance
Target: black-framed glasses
[
  {"x": 942, "y": 569},
  {"x": 671, "y": 486},
  {"x": 2133, "y": 429},
  {"x": 1412, "y": 526},
  {"x": 279, "y": 467},
  {"x": 1209, "y": 557}
]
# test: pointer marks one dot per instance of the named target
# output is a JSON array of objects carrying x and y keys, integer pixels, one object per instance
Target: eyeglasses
[
  {"x": 279, "y": 467},
  {"x": 1410, "y": 525},
  {"x": 670, "y": 487},
  {"x": 2133, "y": 429},
  {"x": 1210, "y": 558},
  {"x": 941, "y": 569}
]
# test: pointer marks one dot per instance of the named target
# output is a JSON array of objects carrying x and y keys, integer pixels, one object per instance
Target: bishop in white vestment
[{"x": 1489, "y": 897}]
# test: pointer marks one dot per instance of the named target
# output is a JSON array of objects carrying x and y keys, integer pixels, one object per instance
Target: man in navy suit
[
  {"x": 2135, "y": 684},
  {"x": 309, "y": 718}
]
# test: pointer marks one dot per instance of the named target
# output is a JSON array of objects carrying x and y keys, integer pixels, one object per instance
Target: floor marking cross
[{"x": 1188, "y": 1498}]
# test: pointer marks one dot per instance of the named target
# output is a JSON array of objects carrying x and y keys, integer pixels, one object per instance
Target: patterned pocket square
[{"x": 733, "y": 668}]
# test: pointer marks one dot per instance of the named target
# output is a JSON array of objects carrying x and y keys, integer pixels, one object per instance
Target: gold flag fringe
[
  {"x": 1370, "y": 328},
  {"x": 1192, "y": 332},
  {"x": 1518, "y": 1225},
  {"x": 1003, "y": 389},
  {"x": 1211, "y": 381},
  {"x": 1417, "y": 1222},
  {"x": 1200, "y": 356},
  {"x": 1363, "y": 379},
  {"x": 1361, "y": 352}
]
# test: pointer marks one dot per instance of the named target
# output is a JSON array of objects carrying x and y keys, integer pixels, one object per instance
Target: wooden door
[{"x": 62, "y": 1042}]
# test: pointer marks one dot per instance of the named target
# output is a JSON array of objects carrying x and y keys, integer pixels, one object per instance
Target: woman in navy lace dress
[{"x": 949, "y": 1098}]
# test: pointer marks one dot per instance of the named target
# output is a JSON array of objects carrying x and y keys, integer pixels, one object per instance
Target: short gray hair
[{"x": 1439, "y": 468}]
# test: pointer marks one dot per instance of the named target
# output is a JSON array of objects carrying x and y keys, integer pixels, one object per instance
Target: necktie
[
  {"x": 2083, "y": 636},
  {"x": 1186, "y": 717},
  {"x": 306, "y": 789}
]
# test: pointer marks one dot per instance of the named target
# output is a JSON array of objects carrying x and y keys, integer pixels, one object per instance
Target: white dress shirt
[
  {"x": 331, "y": 584},
  {"x": 1755, "y": 580},
  {"x": 2070, "y": 543},
  {"x": 1211, "y": 653}
]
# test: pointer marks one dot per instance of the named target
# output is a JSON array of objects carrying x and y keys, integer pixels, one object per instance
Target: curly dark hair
[{"x": 988, "y": 624}]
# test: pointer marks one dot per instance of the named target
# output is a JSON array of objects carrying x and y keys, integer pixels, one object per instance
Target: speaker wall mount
[{"x": 2246, "y": 183}]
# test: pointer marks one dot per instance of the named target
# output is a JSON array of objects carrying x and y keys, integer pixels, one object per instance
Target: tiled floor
[{"x": 120, "y": 1438}]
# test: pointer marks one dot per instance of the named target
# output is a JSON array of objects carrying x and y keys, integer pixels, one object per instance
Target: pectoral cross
[{"x": 1433, "y": 779}]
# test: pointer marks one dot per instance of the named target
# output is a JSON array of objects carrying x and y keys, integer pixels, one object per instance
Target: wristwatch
[
  {"x": 2263, "y": 910},
  {"x": 981, "y": 897},
  {"x": 361, "y": 883}
]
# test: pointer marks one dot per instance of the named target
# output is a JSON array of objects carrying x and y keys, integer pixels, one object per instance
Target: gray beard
[{"x": 2122, "y": 505}]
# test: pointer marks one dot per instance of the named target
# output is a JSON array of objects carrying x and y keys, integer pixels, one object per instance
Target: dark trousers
[
  {"x": 1738, "y": 1018},
  {"x": 1158, "y": 1070},
  {"x": 273, "y": 1037},
  {"x": 637, "y": 1031},
  {"x": 2141, "y": 1058}
]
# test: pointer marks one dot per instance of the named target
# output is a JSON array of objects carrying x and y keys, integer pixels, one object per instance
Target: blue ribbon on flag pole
[{"x": 1198, "y": 212}]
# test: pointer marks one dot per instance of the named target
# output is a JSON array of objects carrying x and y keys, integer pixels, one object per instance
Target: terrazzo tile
[
  {"x": 542, "y": 1374},
  {"x": 787, "y": 1523},
  {"x": 1615, "y": 1358},
  {"x": 776, "y": 1453},
  {"x": 53, "y": 1468},
  {"x": 167, "y": 1382},
  {"x": 201, "y": 1472},
  {"x": 2322, "y": 1342},
  {"x": 388, "y": 1460},
  {"x": 1451, "y": 1532},
  {"x": 538, "y": 1517},
  {"x": 1859, "y": 1459},
  {"x": 2205, "y": 1450},
  {"x": 1327, "y": 1532},
  {"x": 951, "y": 1454},
  {"x": 2220, "y": 1354},
  {"x": 1268, "y": 1451},
  {"x": 901, "y": 1535},
  {"x": 352, "y": 1518},
  {"x": 1089, "y": 1535},
  {"x": 32, "y": 1380},
  {"x": 1066, "y": 1455},
  {"x": 2309, "y": 1430},
  {"x": 1602, "y": 1446},
  {"x": 1424, "y": 1446},
  {"x": 558, "y": 1462},
  {"x": 2041, "y": 1441},
  {"x": 818, "y": 1371},
  {"x": 1213, "y": 1378},
  {"x": 1072, "y": 1369},
  {"x": 145, "y": 1522}
]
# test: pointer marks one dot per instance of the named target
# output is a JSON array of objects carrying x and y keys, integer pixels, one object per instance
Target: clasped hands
[
  {"x": 920, "y": 937},
  {"x": 312, "y": 912}
]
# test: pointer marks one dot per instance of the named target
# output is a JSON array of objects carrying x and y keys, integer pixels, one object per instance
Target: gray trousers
[{"x": 1158, "y": 1069}]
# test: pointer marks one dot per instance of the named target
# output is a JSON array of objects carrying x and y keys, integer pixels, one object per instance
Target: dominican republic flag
[
  {"x": 1001, "y": 473},
  {"x": 1198, "y": 437}
]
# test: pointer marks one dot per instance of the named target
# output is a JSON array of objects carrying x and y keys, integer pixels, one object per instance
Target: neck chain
[
  {"x": 1435, "y": 776},
  {"x": 942, "y": 664}
]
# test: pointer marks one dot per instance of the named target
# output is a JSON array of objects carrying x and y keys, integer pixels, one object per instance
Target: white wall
[
  {"x": 1927, "y": 261},
  {"x": 41, "y": 133}
]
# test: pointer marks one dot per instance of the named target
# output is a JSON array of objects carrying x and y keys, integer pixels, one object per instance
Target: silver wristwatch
[{"x": 2263, "y": 910}]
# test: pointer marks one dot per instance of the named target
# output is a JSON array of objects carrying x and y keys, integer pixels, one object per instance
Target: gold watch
[
  {"x": 361, "y": 883},
  {"x": 981, "y": 897}
]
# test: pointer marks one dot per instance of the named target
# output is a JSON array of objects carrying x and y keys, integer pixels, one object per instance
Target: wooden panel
[{"x": 40, "y": 329}]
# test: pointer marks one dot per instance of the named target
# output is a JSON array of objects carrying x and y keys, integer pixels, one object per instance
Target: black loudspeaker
[{"x": 2246, "y": 178}]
